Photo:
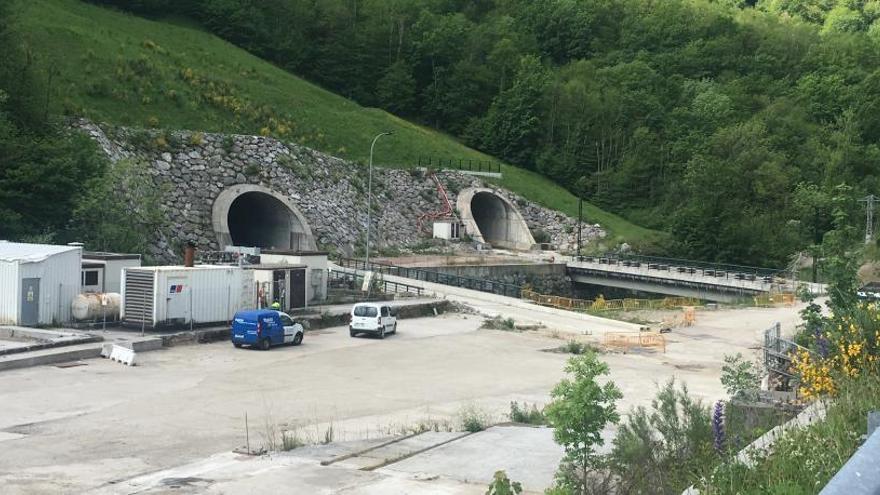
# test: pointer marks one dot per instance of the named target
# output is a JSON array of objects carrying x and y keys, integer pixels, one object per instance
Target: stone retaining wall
[{"x": 192, "y": 169}]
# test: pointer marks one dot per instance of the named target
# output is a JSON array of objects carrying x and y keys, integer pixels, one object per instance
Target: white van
[{"x": 375, "y": 318}]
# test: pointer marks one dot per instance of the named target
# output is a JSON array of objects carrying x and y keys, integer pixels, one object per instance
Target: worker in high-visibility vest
[{"x": 276, "y": 306}]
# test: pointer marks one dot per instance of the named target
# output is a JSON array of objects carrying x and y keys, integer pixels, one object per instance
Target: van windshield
[{"x": 364, "y": 311}]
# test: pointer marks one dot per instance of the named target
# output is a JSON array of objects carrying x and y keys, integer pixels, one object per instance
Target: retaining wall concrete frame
[
  {"x": 492, "y": 219},
  {"x": 253, "y": 215}
]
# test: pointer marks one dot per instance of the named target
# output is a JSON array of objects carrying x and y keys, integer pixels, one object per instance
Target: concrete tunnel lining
[
  {"x": 256, "y": 216},
  {"x": 492, "y": 219}
]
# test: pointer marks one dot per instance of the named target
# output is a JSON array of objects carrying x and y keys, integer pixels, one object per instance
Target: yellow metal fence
[
  {"x": 627, "y": 341},
  {"x": 602, "y": 304}
]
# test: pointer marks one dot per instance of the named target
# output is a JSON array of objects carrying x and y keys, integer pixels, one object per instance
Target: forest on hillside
[
  {"x": 729, "y": 123},
  {"x": 746, "y": 129}
]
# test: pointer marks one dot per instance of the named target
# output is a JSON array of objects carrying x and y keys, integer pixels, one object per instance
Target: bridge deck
[{"x": 674, "y": 275}]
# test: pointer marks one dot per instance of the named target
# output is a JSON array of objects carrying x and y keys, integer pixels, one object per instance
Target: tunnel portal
[
  {"x": 492, "y": 219},
  {"x": 255, "y": 216}
]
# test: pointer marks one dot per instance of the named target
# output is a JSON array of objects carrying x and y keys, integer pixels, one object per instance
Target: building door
[
  {"x": 279, "y": 288},
  {"x": 297, "y": 288},
  {"x": 30, "y": 301}
]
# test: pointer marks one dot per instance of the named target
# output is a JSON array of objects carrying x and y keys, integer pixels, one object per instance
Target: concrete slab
[
  {"x": 12, "y": 344},
  {"x": 50, "y": 356},
  {"x": 95, "y": 426},
  {"x": 528, "y": 455},
  {"x": 25, "y": 339}
]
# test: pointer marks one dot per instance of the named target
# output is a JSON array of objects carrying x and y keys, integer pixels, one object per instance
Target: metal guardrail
[
  {"x": 860, "y": 475},
  {"x": 500, "y": 288},
  {"x": 720, "y": 270},
  {"x": 468, "y": 165},
  {"x": 387, "y": 286}
]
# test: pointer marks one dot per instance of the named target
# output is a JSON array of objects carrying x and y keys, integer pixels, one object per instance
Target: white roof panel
[{"x": 31, "y": 253}]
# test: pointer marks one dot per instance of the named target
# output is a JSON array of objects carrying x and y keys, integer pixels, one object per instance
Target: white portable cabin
[
  {"x": 449, "y": 230},
  {"x": 311, "y": 274},
  {"x": 102, "y": 272},
  {"x": 38, "y": 282},
  {"x": 176, "y": 296}
]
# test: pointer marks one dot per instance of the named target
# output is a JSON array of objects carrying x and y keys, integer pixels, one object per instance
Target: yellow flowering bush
[{"x": 846, "y": 347}]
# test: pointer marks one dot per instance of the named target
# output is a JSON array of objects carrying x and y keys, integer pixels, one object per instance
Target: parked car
[
  {"x": 376, "y": 318},
  {"x": 264, "y": 328}
]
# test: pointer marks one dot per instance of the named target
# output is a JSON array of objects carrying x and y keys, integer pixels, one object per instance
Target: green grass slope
[{"x": 117, "y": 68}]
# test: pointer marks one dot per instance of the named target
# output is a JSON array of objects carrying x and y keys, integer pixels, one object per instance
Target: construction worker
[{"x": 276, "y": 306}]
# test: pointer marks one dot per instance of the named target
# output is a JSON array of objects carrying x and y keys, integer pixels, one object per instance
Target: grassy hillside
[{"x": 118, "y": 68}]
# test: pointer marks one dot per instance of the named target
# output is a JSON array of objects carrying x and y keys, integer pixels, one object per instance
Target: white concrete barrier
[{"x": 119, "y": 354}]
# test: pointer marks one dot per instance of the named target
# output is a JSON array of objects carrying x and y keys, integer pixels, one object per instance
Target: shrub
[
  {"x": 228, "y": 144},
  {"x": 541, "y": 236},
  {"x": 196, "y": 139},
  {"x": 575, "y": 347},
  {"x": 251, "y": 169},
  {"x": 501, "y": 485},
  {"x": 740, "y": 378},
  {"x": 499, "y": 323},
  {"x": 659, "y": 450},
  {"x": 527, "y": 415},
  {"x": 473, "y": 419}
]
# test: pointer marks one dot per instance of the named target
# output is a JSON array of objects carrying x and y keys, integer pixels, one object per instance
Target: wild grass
[{"x": 804, "y": 459}]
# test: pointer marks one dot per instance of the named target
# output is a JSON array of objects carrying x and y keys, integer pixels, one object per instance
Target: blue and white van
[{"x": 264, "y": 328}]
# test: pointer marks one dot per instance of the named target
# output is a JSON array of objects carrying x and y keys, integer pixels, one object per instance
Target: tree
[
  {"x": 511, "y": 128},
  {"x": 117, "y": 210},
  {"x": 396, "y": 90},
  {"x": 580, "y": 410}
]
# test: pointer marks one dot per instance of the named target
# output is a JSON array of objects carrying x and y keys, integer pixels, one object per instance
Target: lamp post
[{"x": 370, "y": 197}]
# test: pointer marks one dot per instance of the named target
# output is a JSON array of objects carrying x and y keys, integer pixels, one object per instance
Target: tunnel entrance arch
[
  {"x": 492, "y": 219},
  {"x": 256, "y": 216}
]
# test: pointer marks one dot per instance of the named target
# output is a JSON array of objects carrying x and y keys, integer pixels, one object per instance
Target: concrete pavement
[{"x": 97, "y": 426}]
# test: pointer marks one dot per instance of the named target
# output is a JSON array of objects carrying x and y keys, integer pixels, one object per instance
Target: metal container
[
  {"x": 96, "y": 306},
  {"x": 175, "y": 296}
]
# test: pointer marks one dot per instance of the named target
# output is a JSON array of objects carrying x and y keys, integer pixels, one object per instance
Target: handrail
[
  {"x": 396, "y": 286},
  {"x": 685, "y": 263},
  {"x": 492, "y": 287}
]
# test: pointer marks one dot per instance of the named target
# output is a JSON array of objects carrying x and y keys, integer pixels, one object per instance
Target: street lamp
[{"x": 370, "y": 197}]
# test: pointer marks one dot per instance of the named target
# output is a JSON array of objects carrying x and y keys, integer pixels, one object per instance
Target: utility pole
[
  {"x": 869, "y": 201},
  {"x": 580, "y": 221}
]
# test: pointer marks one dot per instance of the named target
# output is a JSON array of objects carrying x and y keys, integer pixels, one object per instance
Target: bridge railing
[
  {"x": 489, "y": 286},
  {"x": 386, "y": 286},
  {"x": 709, "y": 269}
]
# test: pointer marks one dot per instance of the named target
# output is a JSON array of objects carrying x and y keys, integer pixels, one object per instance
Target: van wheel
[
  {"x": 298, "y": 339},
  {"x": 352, "y": 333},
  {"x": 382, "y": 333},
  {"x": 265, "y": 344},
  {"x": 394, "y": 331},
  {"x": 237, "y": 345}
]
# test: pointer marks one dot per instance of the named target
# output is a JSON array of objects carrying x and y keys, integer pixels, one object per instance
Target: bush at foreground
[{"x": 805, "y": 459}]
